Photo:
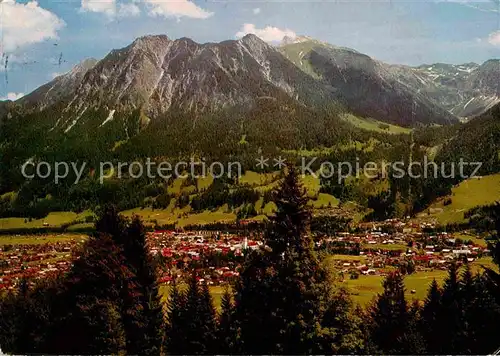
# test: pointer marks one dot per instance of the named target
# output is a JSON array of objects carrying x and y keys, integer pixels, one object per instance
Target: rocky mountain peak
[
  {"x": 287, "y": 40},
  {"x": 83, "y": 67},
  {"x": 157, "y": 74},
  {"x": 252, "y": 41},
  {"x": 148, "y": 40}
]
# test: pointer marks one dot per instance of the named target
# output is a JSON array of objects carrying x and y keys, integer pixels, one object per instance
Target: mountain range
[
  {"x": 465, "y": 90},
  {"x": 235, "y": 101},
  {"x": 287, "y": 86},
  {"x": 157, "y": 74}
]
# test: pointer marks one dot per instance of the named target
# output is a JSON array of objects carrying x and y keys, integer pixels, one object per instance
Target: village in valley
[{"x": 370, "y": 250}]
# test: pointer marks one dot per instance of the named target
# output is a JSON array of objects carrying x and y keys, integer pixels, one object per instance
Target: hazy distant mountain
[
  {"x": 368, "y": 87},
  {"x": 466, "y": 90}
]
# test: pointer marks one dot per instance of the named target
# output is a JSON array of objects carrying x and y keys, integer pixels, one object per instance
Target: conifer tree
[
  {"x": 451, "y": 314},
  {"x": 10, "y": 323},
  {"x": 390, "y": 316},
  {"x": 493, "y": 276},
  {"x": 110, "y": 222},
  {"x": 148, "y": 339},
  {"x": 488, "y": 288},
  {"x": 429, "y": 326},
  {"x": 226, "y": 328},
  {"x": 192, "y": 319},
  {"x": 282, "y": 295},
  {"x": 144, "y": 327},
  {"x": 176, "y": 321},
  {"x": 483, "y": 318},
  {"x": 92, "y": 303},
  {"x": 257, "y": 304},
  {"x": 292, "y": 217},
  {"x": 413, "y": 341},
  {"x": 26, "y": 317},
  {"x": 342, "y": 325},
  {"x": 208, "y": 320}
]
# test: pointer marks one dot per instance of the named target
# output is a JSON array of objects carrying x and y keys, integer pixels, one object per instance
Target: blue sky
[{"x": 40, "y": 40}]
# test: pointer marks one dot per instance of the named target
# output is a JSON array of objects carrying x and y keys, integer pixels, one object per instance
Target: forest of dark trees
[
  {"x": 228, "y": 136},
  {"x": 285, "y": 301}
]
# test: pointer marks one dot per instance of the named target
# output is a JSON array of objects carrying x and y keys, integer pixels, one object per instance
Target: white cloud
[
  {"x": 177, "y": 8},
  {"x": 268, "y": 34},
  {"x": 256, "y": 11},
  {"x": 110, "y": 8},
  {"x": 25, "y": 24},
  {"x": 12, "y": 96},
  {"x": 128, "y": 10},
  {"x": 494, "y": 38},
  {"x": 107, "y": 7}
]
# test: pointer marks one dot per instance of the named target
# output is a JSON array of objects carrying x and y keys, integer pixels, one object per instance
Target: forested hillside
[
  {"x": 283, "y": 300},
  {"x": 266, "y": 101}
]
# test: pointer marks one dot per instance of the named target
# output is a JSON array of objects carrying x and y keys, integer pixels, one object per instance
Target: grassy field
[
  {"x": 381, "y": 246},
  {"x": 374, "y": 125},
  {"x": 365, "y": 288},
  {"x": 261, "y": 182},
  {"x": 38, "y": 239},
  {"x": 350, "y": 258},
  {"x": 54, "y": 219},
  {"x": 255, "y": 179},
  {"x": 465, "y": 196},
  {"x": 215, "y": 291},
  {"x": 312, "y": 185},
  {"x": 325, "y": 201},
  {"x": 297, "y": 53},
  {"x": 468, "y": 194},
  {"x": 181, "y": 217},
  {"x": 472, "y": 237}
]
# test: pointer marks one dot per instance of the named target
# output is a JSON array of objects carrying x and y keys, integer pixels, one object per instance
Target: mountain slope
[
  {"x": 466, "y": 90},
  {"x": 156, "y": 74},
  {"x": 56, "y": 90},
  {"x": 366, "y": 86},
  {"x": 171, "y": 98},
  {"x": 476, "y": 141}
]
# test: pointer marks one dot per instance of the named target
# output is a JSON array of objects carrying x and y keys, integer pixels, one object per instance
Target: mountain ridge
[
  {"x": 465, "y": 90},
  {"x": 366, "y": 85},
  {"x": 155, "y": 73}
]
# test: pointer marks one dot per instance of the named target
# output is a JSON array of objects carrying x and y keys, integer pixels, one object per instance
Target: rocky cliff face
[
  {"x": 157, "y": 74},
  {"x": 57, "y": 89}
]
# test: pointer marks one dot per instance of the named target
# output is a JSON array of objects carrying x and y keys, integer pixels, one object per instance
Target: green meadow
[
  {"x": 39, "y": 239},
  {"x": 467, "y": 195}
]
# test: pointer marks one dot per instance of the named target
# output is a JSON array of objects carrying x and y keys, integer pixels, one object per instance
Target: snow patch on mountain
[{"x": 109, "y": 118}]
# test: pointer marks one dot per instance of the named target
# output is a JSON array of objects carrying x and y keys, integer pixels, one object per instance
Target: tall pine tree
[
  {"x": 144, "y": 328},
  {"x": 391, "y": 319},
  {"x": 284, "y": 290},
  {"x": 191, "y": 321},
  {"x": 451, "y": 314},
  {"x": 226, "y": 328},
  {"x": 429, "y": 326},
  {"x": 176, "y": 321},
  {"x": 88, "y": 310}
]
